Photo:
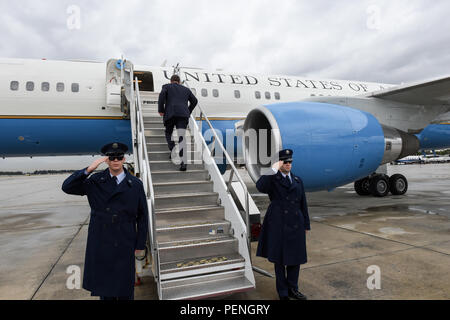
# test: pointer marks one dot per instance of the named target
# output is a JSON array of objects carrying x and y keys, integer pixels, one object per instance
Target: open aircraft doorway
[{"x": 145, "y": 80}]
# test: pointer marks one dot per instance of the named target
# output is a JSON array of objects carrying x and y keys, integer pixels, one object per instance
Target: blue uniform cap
[
  {"x": 115, "y": 148},
  {"x": 285, "y": 155}
]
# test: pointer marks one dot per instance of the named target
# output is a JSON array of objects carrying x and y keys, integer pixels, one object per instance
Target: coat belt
[{"x": 114, "y": 218}]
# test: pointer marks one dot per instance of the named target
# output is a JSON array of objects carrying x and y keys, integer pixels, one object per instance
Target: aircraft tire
[
  {"x": 398, "y": 184},
  {"x": 362, "y": 187},
  {"x": 379, "y": 185}
]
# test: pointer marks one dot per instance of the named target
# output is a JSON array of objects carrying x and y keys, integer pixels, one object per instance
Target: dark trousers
[
  {"x": 286, "y": 278},
  {"x": 181, "y": 125}
]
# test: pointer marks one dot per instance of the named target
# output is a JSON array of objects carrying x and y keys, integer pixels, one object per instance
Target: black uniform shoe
[
  {"x": 297, "y": 295},
  {"x": 284, "y": 298},
  {"x": 183, "y": 167}
]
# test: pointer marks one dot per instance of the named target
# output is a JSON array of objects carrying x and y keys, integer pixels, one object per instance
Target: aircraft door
[{"x": 145, "y": 80}]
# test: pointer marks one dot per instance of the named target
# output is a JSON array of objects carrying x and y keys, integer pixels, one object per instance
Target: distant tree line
[
  {"x": 37, "y": 172},
  {"x": 444, "y": 152}
]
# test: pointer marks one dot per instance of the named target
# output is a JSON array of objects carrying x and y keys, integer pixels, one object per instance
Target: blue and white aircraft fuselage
[{"x": 51, "y": 108}]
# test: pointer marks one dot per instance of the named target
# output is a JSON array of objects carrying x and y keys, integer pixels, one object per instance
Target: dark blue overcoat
[
  {"x": 118, "y": 226},
  {"x": 282, "y": 239}
]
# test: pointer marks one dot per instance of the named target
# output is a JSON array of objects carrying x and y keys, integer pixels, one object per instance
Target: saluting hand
[
  {"x": 278, "y": 165},
  {"x": 96, "y": 164}
]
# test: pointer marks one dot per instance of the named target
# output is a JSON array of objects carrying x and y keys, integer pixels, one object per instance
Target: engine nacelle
[{"x": 333, "y": 145}]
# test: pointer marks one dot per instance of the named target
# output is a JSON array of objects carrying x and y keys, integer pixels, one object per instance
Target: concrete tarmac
[{"x": 406, "y": 238}]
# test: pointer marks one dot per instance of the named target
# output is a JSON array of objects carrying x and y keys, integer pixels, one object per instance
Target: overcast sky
[{"x": 382, "y": 41}]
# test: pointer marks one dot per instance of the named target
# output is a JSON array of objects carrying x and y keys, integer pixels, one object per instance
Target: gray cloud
[{"x": 383, "y": 41}]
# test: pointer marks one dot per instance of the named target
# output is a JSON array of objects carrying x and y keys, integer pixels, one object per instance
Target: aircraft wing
[{"x": 434, "y": 92}]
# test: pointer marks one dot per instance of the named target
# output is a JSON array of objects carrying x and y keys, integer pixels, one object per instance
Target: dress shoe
[
  {"x": 297, "y": 295},
  {"x": 284, "y": 298},
  {"x": 183, "y": 167}
]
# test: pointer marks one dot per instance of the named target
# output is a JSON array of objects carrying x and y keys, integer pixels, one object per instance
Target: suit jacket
[
  {"x": 173, "y": 101},
  {"x": 118, "y": 226}
]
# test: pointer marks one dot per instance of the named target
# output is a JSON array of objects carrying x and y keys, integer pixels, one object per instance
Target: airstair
[{"x": 199, "y": 239}]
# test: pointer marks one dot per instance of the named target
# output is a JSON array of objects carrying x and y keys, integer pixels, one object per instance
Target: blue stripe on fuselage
[{"x": 55, "y": 137}]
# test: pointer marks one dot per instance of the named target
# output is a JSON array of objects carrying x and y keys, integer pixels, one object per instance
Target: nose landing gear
[{"x": 379, "y": 185}]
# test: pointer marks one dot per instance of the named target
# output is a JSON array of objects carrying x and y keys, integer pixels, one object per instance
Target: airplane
[
  {"x": 340, "y": 131},
  {"x": 410, "y": 160}
]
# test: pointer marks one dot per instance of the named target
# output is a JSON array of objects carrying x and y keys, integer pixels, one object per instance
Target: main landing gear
[{"x": 379, "y": 185}]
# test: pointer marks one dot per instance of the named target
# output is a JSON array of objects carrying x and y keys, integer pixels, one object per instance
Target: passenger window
[
  {"x": 258, "y": 95},
  {"x": 277, "y": 96},
  {"x": 14, "y": 85},
  {"x": 237, "y": 94},
  {"x": 60, "y": 87},
  {"x": 194, "y": 92},
  {"x": 45, "y": 86},
  {"x": 215, "y": 93},
  {"x": 268, "y": 95},
  {"x": 204, "y": 93},
  {"x": 30, "y": 86},
  {"x": 75, "y": 87}
]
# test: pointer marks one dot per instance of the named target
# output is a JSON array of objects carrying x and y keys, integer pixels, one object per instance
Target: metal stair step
[
  {"x": 153, "y": 124},
  {"x": 195, "y": 213},
  {"x": 173, "y": 251},
  {"x": 187, "y": 230},
  {"x": 183, "y": 187},
  {"x": 189, "y": 267},
  {"x": 151, "y": 146},
  {"x": 168, "y": 165},
  {"x": 157, "y": 118},
  {"x": 149, "y": 131},
  {"x": 186, "y": 199},
  {"x": 206, "y": 286},
  {"x": 162, "y": 139},
  {"x": 164, "y": 155},
  {"x": 174, "y": 176}
]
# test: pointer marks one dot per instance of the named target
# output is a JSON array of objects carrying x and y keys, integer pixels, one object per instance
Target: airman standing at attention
[
  {"x": 118, "y": 226},
  {"x": 283, "y": 233}
]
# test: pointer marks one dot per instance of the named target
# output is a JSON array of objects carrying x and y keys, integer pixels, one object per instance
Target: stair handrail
[
  {"x": 145, "y": 174},
  {"x": 234, "y": 171}
]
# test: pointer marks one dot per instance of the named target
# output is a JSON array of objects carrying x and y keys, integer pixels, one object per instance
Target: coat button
[
  {"x": 286, "y": 211},
  {"x": 108, "y": 209}
]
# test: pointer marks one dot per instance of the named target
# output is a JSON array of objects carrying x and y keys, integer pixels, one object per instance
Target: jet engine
[{"x": 333, "y": 145}]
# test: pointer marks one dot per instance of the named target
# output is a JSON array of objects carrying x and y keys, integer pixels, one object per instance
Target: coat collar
[
  {"x": 108, "y": 185},
  {"x": 285, "y": 183}
]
